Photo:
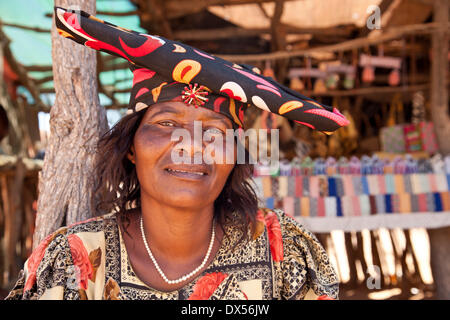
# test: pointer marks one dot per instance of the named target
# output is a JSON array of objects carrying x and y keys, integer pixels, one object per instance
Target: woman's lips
[{"x": 187, "y": 174}]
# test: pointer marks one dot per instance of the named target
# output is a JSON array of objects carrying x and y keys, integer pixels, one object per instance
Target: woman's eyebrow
[{"x": 165, "y": 110}]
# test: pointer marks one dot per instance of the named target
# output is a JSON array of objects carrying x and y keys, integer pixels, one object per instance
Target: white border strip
[{"x": 429, "y": 220}]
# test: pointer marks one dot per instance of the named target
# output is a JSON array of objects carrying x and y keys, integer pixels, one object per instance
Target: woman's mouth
[{"x": 187, "y": 173}]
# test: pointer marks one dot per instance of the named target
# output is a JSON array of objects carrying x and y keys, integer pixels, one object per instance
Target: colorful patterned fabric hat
[{"x": 166, "y": 70}]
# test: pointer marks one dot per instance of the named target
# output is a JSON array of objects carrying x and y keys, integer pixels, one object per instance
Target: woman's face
[{"x": 156, "y": 152}]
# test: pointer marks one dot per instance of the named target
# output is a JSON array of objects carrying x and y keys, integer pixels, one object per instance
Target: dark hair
[{"x": 117, "y": 185}]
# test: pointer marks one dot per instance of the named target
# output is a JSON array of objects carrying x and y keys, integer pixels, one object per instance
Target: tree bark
[
  {"x": 439, "y": 73},
  {"x": 440, "y": 261},
  {"x": 76, "y": 122}
]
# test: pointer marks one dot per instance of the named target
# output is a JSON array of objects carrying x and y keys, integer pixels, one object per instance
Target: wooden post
[
  {"x": 76, "y": 122},
  {"x": 440, "y": 238},
  {"x": 439, "y": 74}
]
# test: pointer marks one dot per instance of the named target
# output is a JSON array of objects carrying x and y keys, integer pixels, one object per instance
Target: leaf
[
  {"x": 112, "y": 290},
  {"x": 83, "y": 295},
  {"x": 95, "y": 258}
]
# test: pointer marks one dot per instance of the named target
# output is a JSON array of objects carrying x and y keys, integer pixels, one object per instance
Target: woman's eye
[
  {"x": 166, "y": 123},
  {"x": 214, "y": 131}
]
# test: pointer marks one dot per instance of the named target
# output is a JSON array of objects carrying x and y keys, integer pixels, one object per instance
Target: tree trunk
[
  {"x": 439, "y": 74},
  {"x": 76, "y": 122},
  {"x": 440, "y": 261}
]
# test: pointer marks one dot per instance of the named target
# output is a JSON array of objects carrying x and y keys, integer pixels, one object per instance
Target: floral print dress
[{"x": 88, "y": 261}]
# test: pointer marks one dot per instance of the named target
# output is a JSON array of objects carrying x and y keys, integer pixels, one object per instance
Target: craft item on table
[
  {"x": 389, "y": 183},
  {"x": 305, "y": 182},
  {"x": 296, "y": 84},
  {"x": 381, "y": 183},
  {"x": 431, "y": 204},
  {"x": 394, "y": 78},
  {"x": 282, "y": 186},
  {"x": 339, "y": 212},
  {"x": 368, "y": 74},
  {"x": 267, "y": 186},
  {"x": 395, "y": 203},
  {"x": 380, "y": 203},
  {"x": 291, "y": 186},
  {"x": 364, "y": 204},
  {"x": 448, "y": 180},
  {"x": 305, "y": 206},
  {"x": 407, "y": 183},
  {"x": 263, "y": 169},
  {"x": 364, "y": 184},
  {"x": 355, "y": 165},
  {"x": 372, "y": 180},
  {"x": 388, "y": 203},
  {"x": 348, "y": 185},
  {"x": 296, "y": 166},
  {"x": 347, "y": 206},
  {"x": 323, "y": 186},
  {"x": 445, "y": 196},
  {"x": 332, "y": 81},
  {"x": 424, "y": 166},
  {"x": 415, "y": 203},
  {"x": 349, "y": 81},
  {"x": 275, "y": 187},
  {"x": 399, "y": 165},
  {"x": 422, "y": 200},
  {"x": 399, "y": 183},
  {"x": 428, "y": 137},
  {"x": 319, "y": 86},
  {"x": 321, "y": 207},
  {"x": 299, "y": 186},
  {"x": 413, "y": 140},
  {"x": 438, "y": 207},
  {"x": 313, "y": 186},
  {"x": 392, "y": 139},
  {"x": 285, "y": 168},
  {"x": 425, "y": 182},
  {"x": 343, "y": 166},
  {"x": 418, "y": 107},
  {"x": 297, "y": 208},
  {"x": 332, "y": 187},
  {"x": 358, "y": 186},
  {"x": 388, "y": 167},
  {"x": 447, "y": 163},
  {"x": 330, "y": 207},
  {"x": 340, "y": 186},
  {"x": 319, "y": 166},
  {"x": 366, "y": 165},
  {"x": 373, "y": 205},
  {"x": 437, "y": 163},
  {"x": 312, "y": 206},
  {"x": 288, "y": 205},
  {"x": 441, "y": 182},
  {"x": 307, "y": 166},
  {"x": 331, "y": 166},
  {"x": 410, "y": 164},
  {"x": 381, "y": 61},
  {"x": 415, "y": 183},
  {"x": 378, "y": 165},
  {"x": 356, "y": 206}
]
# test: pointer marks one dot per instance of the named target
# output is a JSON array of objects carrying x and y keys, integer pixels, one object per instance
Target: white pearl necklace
[{"x": 186, "y": 276}]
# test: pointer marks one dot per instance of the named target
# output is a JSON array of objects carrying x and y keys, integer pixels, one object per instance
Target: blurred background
[{"x": 376, "y": 193}]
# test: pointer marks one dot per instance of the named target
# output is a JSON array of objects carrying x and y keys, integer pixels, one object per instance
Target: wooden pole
[
  {"x": 76, "y": 122},
  {"x": 440, "y": 238}
]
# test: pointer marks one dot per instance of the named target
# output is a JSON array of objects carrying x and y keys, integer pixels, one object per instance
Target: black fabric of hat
[{"x": 166, "y": 70}]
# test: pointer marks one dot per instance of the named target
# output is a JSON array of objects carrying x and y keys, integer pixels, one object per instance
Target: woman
[{"x": 180, "y": 230}]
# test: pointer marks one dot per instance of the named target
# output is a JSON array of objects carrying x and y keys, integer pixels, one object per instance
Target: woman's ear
[{"x": 131, "y": 155}]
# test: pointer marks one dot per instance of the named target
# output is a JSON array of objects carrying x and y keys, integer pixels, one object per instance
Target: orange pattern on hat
[
  {"x": 186, "y": 70},
  {"x": 289, "y": 106},
  {"x": 156, "y": 91}
]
